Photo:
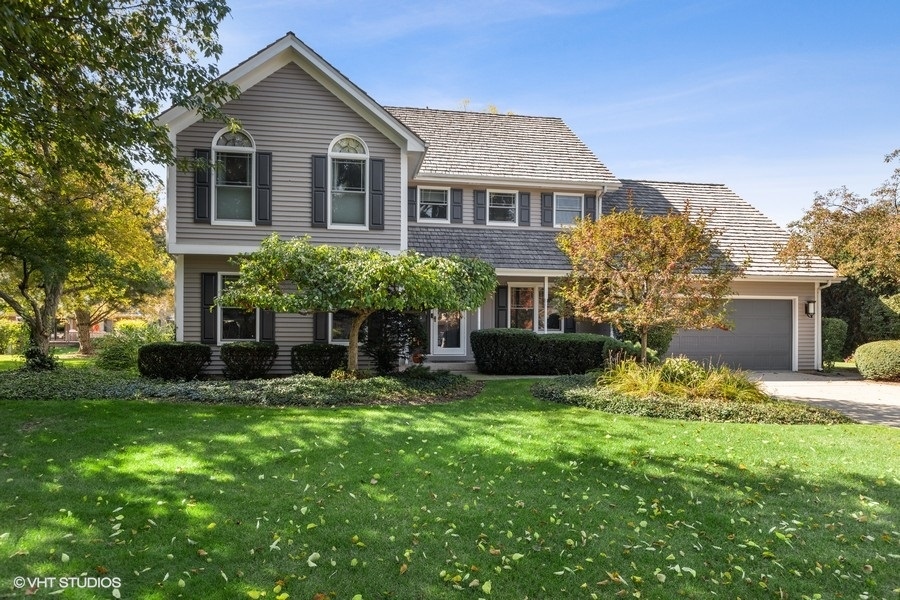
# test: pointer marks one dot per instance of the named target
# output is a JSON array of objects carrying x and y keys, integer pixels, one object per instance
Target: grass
[
  {"x": 500, "y": 496},
  {"x": 67, "y": 355}
]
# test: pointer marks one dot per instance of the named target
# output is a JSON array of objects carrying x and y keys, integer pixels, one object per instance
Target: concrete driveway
[{"x": 866, "y": 401}]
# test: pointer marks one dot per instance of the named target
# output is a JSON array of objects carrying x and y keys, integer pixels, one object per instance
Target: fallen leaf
[{"x": 403, "y": 568}]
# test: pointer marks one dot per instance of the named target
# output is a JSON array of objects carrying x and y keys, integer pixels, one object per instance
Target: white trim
[
  {"x": 220, "y": 275},
  {"x": 171, "y": 200},
  {"x": 331, "y": 328},
  {"x": 364, "y": 158},
  {"x": 795, "y": 320},
  {"x": 557, "y": 224},
  {"x": 535, "y": 287},
  {"x": 817, "y": 330},
  {"x": 531, "y": 272},
  {"x": 463, "y": 324},
  {"x": 230, "y": 249},
  {"x": 487, "y": 207},
  {"x": 215, "y": 150},
  {"x": 404, "y": 200},
  {"x": 535, "y": 183},
  {"x": 419, "y": 218},
  {"x": 179, "y": 297}
]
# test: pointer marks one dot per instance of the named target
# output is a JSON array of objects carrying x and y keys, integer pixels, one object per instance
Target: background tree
[
  {"x": 296, "y": 276},
  {"x": 640, "y": 272},
  {"x": 80, "y": 86},
  {"x": 860, "y": 236}
]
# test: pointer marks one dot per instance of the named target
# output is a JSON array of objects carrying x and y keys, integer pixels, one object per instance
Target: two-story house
[{"x": 317, "y": 156}]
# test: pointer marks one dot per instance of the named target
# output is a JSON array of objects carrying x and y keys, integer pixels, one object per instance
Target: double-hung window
[
  {"x": 530, "y": 308},
  {"x": 233, "y": 160},
  {"x": 348, "y": 195},
  {"x": 502, "y": 208},
  {"x": 236, "y": 324},
  {"x": 434, "y": 204},
  {"x": 567, "y": 208},
  {"x": 339, "y": 325}
]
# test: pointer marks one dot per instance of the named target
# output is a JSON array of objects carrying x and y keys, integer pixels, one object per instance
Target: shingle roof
[
  {"x": 504, "y": 248},
  {"x": 502, "y": 147},
  {"x": 745, "y": 231}
]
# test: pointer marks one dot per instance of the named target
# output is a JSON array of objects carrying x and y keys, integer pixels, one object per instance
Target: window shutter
[
  {"x": 202, "y": 177},
  {"x": 267, "y": 325},
  {"x": 501, "y": 307},
  {"x": 590, "y": 207},
  {"x": 376, "y": 193},
  {"x": 569, "y": 325},
  {"x": 480, "y": 207},
  {"x": 546, "y": 210},
  {"x": 263, "y": 188},
  {"x": 320, "y": 328},
  {"x": 412, "y": 204},
  {"x": 525, "y": 208},
  {"x": 456, "y": 206},
  {"x": 320, "y": 191},
  {"x": 209, "y": 289}
]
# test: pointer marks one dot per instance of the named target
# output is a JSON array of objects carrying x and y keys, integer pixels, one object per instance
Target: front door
[{"x": 448, "y": 332}]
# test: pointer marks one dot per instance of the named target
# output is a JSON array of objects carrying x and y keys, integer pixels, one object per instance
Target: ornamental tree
[
  {"x": 644, "y": 272},
  {"x": 297, "y": 276}
]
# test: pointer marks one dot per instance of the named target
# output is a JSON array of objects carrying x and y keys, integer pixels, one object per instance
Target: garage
[{"x": 762, "y": 337}]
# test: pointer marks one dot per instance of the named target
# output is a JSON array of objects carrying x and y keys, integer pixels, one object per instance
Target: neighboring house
[{"x": 318, "y": 157}]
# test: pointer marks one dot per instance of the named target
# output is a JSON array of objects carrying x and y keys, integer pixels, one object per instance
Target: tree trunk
[
  {"x": 353, "y": 346},
  {"x": 644, "y": 333},
  {"x": 83, "y": 324},
  {"x": 43, "y": 321}
]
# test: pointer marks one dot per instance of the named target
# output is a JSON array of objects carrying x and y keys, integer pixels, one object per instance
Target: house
[{"x": 317, "y": 156}]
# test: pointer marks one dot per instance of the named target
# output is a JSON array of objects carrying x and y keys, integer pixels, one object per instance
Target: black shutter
[
  {"x": 376, "y": 193},
  {"x": 524, "y": 208},
  {"x": 546, "y": 210},
  {"x": 412, "y": 204},
  {"x": 320, "y": 328},
  {"x": 569, "y": 325},
  {"x": 320, "y": 191},
  {"x": 209, "y": 289},
  {"x": 267, "y": 325},
  {"x": 501, "y": 307},
  {"x": 202, "y": 178},
  {"x": 480, "y": 207},
  {"x": 590, "y": 207},
  {"x": 456, "y": 206},
  {"x": 263, "y": 188}
]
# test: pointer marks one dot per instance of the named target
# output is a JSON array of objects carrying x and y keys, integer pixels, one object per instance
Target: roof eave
[{"x": 607, "y": 185}]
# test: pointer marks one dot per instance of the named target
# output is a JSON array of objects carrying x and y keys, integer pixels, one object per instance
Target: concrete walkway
[{"x": 866, "y": 401}]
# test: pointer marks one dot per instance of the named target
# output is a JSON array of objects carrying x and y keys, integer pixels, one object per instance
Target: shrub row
[
  {"x": 879, "y": 360},
  {"x": 173, "y": 360},
  {"x": 522, "y": 352}
]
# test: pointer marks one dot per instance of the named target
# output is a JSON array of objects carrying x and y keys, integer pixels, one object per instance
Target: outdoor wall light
[{"x": 810, "y": 308}]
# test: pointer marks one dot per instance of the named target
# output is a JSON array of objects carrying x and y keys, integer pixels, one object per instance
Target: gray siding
[{"x": 292, "y": 116}]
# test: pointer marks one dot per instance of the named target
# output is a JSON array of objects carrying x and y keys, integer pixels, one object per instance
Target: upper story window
[
  {"x": 233, "y": 159},
  {"x": 348, "y": 161},
  {"x": 434, "y": 204},
  {"x": 502, "y": 208},
  {"x": 568, "y": 207}
]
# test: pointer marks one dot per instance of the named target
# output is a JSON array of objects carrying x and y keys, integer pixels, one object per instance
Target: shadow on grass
[{"x": 542, "y": 500}]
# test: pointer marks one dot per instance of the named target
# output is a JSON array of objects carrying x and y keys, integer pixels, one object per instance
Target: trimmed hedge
[
  {"x": 879, "y": 360},
  {"x": 318, "y": 359},
  {"x": 523, "y": 352},
  {"x": 248, "y": 360},
  {"x": 173, "y": 360},
  {"x": 834, "y": 334}
]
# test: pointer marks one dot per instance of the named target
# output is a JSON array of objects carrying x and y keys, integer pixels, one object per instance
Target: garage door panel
[{"x": 762, "y": 337}]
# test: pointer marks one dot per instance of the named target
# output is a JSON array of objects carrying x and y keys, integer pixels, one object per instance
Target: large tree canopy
[
  {"x": 644, "y": 272},
  {"x": 297, "y": 276}
]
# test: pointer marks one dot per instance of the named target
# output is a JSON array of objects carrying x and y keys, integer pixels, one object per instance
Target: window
[
  {"x": 502, "y": 208},
  {"x": 348, "y": 160},
  {"x": 567, "y": 207},
  {"x": 434, "y": 204},
  {"x": 541, "y": 316},
  {"x": 339, "y": 324},
  {"x": 448, "y": 332},
  {"x": 235, "y": 324},
  {"x": 233, "y": 153}
]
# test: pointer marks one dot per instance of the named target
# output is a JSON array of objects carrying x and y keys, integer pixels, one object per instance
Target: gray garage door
[{"x": 762, "y": 337}]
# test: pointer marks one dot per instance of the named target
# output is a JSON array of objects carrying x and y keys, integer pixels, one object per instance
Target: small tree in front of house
[
  {"x": 641, "y": 272},
  {"x": 297, "y": 276}
]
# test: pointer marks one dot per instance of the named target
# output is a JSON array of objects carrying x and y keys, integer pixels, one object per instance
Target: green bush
[
  {"x": 248, "y": 360},
  {"x": 879, "y": 318},
  {"x": 834, "y": 334},
  {"x": 13, "y": 337},
  {"x": 879, "y": 360},
  {"x": 393, "y": 335},
  {"x": 615, "y": 351},
  {"x": 36, "y": 360},
  {"x": 173, "y": 360},
  {"x": 565, "y": 353},
  {"x": 658, "y": 339},
  {"x": 318, "y": 359},
  {"x": 118, "y": 351},
  {"x": 523, "y": 352}
]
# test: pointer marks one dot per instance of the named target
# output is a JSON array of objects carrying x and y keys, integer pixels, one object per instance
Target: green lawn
[
  {"x": 500, "y": 496},
  {"x": 67, "y": 355}
]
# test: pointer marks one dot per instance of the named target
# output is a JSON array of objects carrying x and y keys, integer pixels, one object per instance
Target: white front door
[{"x": 448, "y": 332}]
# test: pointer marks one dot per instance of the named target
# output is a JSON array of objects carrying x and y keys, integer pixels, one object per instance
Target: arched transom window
[
  {"x": 233, "y": 159},
  {"x": 348, "y": 158}
]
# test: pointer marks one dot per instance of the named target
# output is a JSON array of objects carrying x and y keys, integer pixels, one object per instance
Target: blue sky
[{"x": 777, "y": 100}]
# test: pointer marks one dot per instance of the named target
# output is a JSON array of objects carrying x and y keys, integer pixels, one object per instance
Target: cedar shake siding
[{"x": 292, "y": 117}]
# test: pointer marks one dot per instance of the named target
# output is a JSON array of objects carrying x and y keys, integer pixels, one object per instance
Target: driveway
[{"x": 866, "y": 401}]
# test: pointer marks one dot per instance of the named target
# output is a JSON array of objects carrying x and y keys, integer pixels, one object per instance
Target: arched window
[
  {"x": 233, "y": 161},
  {"x": 348, "y": 194}
]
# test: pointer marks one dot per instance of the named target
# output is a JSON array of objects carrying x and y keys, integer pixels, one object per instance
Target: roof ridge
[
  {"x": 705, "y": 183},
  {"x": 471, "y": 112}
]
